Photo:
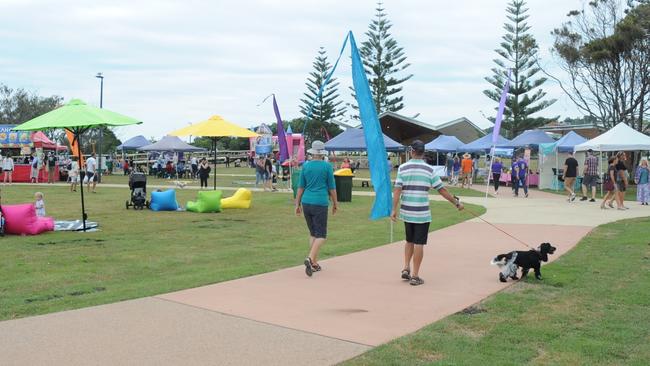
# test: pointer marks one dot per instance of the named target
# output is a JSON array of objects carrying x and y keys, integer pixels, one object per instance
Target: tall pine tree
[
  {"x": 327, "y": 107},
  {"x": 383, "y": 59},
  {"x": 518, "y": 52}
]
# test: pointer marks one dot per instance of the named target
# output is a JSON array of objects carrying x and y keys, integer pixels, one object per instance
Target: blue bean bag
[
  {"x": 206, "y": 201},
  {"x": 164, "y": 201}
]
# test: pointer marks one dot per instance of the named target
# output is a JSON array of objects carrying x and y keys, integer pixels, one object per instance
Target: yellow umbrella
[{"x": 214, "y": 127}]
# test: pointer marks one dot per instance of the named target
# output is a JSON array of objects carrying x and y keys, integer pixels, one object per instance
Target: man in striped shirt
[{"x": 414, "y": 179}]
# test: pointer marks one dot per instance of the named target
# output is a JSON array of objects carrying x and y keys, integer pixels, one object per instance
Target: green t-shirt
[{"x": 317, "y": 178}]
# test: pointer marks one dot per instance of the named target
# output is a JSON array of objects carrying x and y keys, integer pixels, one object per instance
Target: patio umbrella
[
  {"x": 77, "y": 117},
  {"x": 214, "y": 127}
]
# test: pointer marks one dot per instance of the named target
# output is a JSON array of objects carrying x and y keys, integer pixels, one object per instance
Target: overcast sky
[{"x": 170, "y": 63}]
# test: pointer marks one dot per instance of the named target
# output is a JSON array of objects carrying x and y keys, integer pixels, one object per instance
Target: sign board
[{"x": 14, "y": 139}]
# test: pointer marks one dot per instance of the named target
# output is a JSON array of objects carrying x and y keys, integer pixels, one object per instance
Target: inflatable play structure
[
  {"x": 164, "y": 201},
  {"x": 22, "y": 220},
  {"x": 295, "y": 144},
  {"x": 206, "y": 201},
  {"x": 241, "y": 199}
]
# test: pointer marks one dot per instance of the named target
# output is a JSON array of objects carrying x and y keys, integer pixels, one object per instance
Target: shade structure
[
  {"x": 484, "y": 144},
  {"x": 569, "y": 141},
  {"x": 353, "y": 139},
  {"x": 134, "y": 143},
  {"x": 77, "y": 117},
  {"x": 214, "y": 127},
  {"x": 172, "y": 144},
  {"x": 531, "y": 138},
  {"x": 620, "y": 138},
  {"x": 444, "y": 144}
]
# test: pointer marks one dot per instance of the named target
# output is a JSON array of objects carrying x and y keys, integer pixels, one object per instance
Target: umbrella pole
[
  {"x": 81, "y": 186},
  {"x": 214, "y": 146}
]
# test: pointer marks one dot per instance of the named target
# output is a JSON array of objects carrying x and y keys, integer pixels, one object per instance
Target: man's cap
[{"x": 417, "y": 146}]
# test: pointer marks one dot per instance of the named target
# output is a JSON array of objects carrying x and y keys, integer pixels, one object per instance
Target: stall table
[{"x": 22, "y": 173}]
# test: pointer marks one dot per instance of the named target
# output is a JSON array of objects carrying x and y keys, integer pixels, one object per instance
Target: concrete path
[{"x": 284, "y": 318}]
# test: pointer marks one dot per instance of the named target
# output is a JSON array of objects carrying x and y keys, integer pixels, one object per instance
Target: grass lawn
[
  {"x": 592, "y": 308},
  {"x": 146, "y": 253}
]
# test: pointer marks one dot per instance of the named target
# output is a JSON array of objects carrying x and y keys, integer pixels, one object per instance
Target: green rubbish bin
[
  {"x": 343, "y": 180},
  {"x": 295, "y": 177}
]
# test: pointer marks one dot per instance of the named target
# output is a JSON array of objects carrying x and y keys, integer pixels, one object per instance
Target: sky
[{"x": 171, "y": 63}]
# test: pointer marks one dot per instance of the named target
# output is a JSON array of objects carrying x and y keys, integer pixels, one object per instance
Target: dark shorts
[
  {"x": 91, "y": 177},
  {"x": 620, "y": 186},
  {"x": 316, "y": 217},
  {"x": 417, "y": 233},
  {"x": 590, "y": 181}
]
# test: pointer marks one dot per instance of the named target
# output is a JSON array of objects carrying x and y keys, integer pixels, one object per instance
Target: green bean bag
[{"x": 206, "y": 201}]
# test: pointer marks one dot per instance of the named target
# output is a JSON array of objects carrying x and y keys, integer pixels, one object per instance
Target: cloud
[{"x": 170, "y": 63}]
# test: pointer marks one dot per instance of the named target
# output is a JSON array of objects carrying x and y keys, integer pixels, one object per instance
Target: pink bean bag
[{"x": 22, "y": 220}]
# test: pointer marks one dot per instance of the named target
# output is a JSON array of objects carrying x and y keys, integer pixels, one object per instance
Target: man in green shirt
[{"x": 316, "y": 188}]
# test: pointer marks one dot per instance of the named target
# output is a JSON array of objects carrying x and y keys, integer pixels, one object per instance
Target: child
[
  {"x": 642, "y": 184},
  {"x": 39, "y": 204},
  {"x": 74, "y": 174}
]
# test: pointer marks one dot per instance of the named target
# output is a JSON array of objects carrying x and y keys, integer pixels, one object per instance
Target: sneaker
[
  {"x": 573, "y": 197},
  {"x": 526, "y": 195},
  {"x": 416, "y": 281},
  {"x": 406, "y": 274},
  {"x": 308, "y": 269},
  {"x": 592, "y": 200},
  {"x": 583, "y": 198}
]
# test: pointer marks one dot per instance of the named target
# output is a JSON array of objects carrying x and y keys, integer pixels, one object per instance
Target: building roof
[
  {"x": 464, "y": 129},
  {"x": 406, "y": 129}
]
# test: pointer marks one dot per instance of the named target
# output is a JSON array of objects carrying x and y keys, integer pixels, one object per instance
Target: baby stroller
[{"x": 138, "y": 186}]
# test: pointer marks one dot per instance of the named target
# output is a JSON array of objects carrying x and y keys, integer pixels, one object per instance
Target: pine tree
[
  {"x": 518, "y": 52},
  {"x": 383, "y": 58},
  {"x": 328, "y": 107}
]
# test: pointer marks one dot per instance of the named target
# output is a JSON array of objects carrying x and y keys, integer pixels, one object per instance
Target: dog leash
[{"x": 494, "y": 226}]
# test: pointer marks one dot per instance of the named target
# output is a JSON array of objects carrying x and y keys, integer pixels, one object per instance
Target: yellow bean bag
[{"x": 241, "y": 199}]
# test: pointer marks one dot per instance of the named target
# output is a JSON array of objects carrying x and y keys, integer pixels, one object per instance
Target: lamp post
[{"x": 100, "y": 76}]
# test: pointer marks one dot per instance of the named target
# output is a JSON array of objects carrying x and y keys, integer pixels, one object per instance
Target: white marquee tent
[{"x": 620, "y": 138}]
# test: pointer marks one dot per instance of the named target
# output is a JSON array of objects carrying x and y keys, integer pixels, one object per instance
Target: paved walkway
[{"x": 285, "y": 318}]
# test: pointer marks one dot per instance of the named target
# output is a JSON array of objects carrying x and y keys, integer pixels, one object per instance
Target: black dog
[{"x": 509, "y": 263}]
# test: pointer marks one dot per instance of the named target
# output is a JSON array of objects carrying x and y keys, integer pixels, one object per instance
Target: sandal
[
  {"x": 416, "y": 281},
  {"x": 315, "y": 267},
  {"x": 308, "y": 267},
  {"x": 406, "y": 274}
]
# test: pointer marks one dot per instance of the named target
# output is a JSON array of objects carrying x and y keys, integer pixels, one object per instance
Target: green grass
[
  {"x": 592, "y": 308},
  {"x": 145, "y": 253}
]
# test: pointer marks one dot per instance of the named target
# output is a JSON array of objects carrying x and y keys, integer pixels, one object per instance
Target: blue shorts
[{"x": 316, "y": 217}]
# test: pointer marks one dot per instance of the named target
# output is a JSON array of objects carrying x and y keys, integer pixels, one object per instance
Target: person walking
[
  {"x": 590, "y": 176},
  {"x": 195, "y": 166},
  {"x": 34, "y": 168},
  {"x": 91, "y": 168},
  {"x": 316, "y": 189},
  {"x": 73, "y": 174},
  {"x": 570, "y": 174},
  {"x": 268, "y": 173},
  {"x": 414, "y": 179},
  {"x": 497, "y": 168},
  {"x": 641, "y": 178},
  {"x": 51, "y": 167},
  {"x": 455, "y": 170},
  {"x": 621, "y": 180},
  {"x": 8, "y": 169},
  {"x": 610, "y": 184},
  {"x": 204, "y": 172},
  {"x": 466, "y": 169}
]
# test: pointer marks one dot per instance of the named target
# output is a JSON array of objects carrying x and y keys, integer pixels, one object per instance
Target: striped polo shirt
[{"x": 415, "y": 178}]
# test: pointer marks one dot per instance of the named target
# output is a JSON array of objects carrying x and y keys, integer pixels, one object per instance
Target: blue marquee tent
[
  {"x": 134, "y": 143},
  {"x": 444, "y": 144},
  {"x": 353, "y": 140},
  {"x": 484, "y": 144},
  {"x": 531, "y": 138},
  {"x": 569, "y": 141}
]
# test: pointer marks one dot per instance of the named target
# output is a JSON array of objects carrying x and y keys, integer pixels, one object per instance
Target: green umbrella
[{"x": 77, "y": 117}]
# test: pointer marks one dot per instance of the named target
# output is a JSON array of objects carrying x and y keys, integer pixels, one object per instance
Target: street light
[{"x": 100, "y": 76}]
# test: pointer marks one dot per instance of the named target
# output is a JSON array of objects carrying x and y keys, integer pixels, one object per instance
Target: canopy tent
[
  {"x": 214, "y": 127},
  {"x": 444, "y": 144},
  {"x": 531, "y": 138},
  {"x": 172, "y": 144},
  {"x": 620, "y": 138},
  {"x": 553, "y": 155},
  {"x": 134, "y": 143},
  {"x": 484, "y": 144},
  {"x": 353, "y": 139},
  {"x": 77, "y": 117}
]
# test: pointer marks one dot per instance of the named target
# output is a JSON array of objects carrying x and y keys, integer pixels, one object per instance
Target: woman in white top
[
  {"x": 74, "y": 174},
  {"x": 8, "y": 168}
]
